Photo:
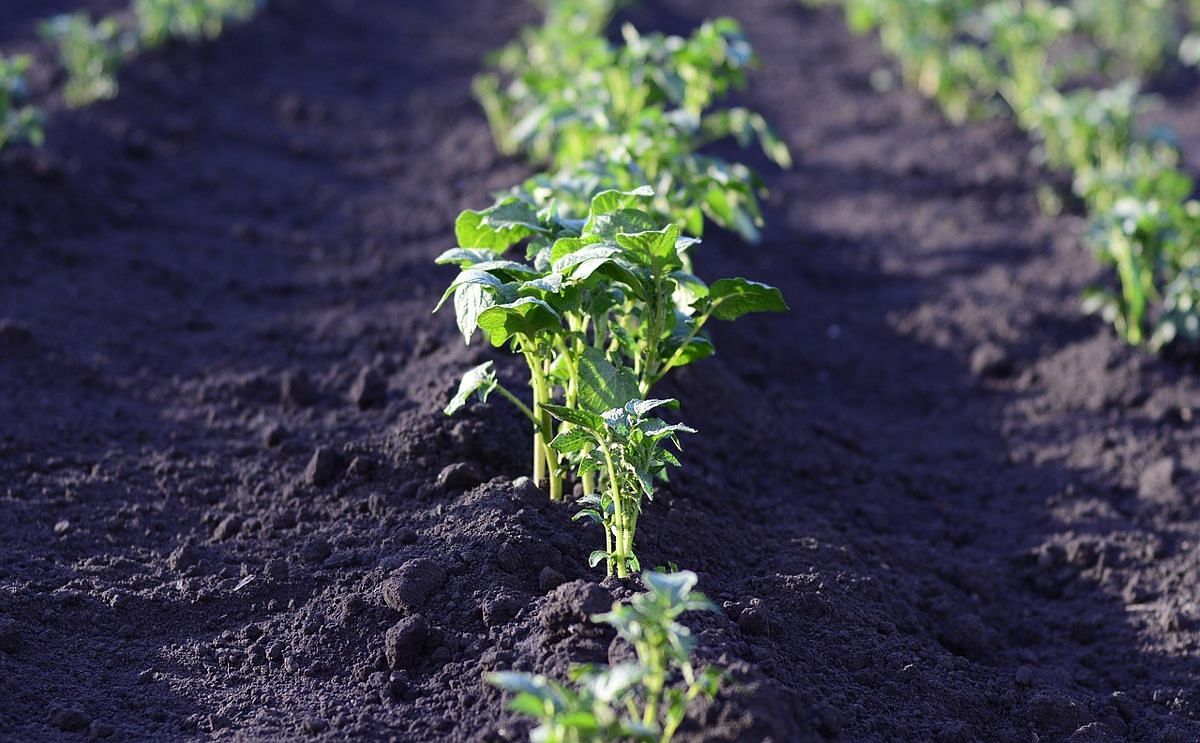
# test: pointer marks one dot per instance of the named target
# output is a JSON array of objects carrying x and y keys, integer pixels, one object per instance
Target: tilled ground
[{"x": 934, "y": 501}]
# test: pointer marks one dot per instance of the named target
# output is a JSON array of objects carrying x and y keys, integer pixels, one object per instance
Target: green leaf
[
  {"x": 576, "y": 417},
  {"x": 481, "y": 380},
  {"x": 656, "y": 248},
  {"x": 526, "y": 317},
  {"x": 607, "y": 202},
  {"x": 498, "y": 227},
  {"x": 469, "y": 276},
  {"x": 529, "y": 704},
  {"x": 464, "y": 257},
  {"x": 603, "y": 386},
  {"x": 597, "y": 557},
  {"x": 517, "y": 681},
  {"x": 732, "y": 298},
  {"x": 471, "y": 301},
  {"x": 583, "y": 263},
  {"x": 572, "y": 440},
  {"x": 639, "y": 408},
  {"x": 673, "y": 586}
]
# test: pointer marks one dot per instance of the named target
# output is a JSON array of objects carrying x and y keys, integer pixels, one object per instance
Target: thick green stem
[
  {"x": 545, "y": 431},
  {"x": 621, "y": 556}
]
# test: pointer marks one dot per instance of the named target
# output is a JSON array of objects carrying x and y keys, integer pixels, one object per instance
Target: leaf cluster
[
  {"x": 601, "y": 308},
  {"x": 644, "y": 699},
  {"x": 1040, "y": 60},
  {"x": 19, "y": 121},
  {"x": 93, "y": 52},
  {"x": 608, "y": 116}
]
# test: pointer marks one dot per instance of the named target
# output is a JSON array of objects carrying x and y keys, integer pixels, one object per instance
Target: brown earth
[{"x": 934, "y": 501}]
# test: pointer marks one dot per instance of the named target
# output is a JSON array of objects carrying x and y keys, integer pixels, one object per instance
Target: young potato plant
[
  {"x": 606, "y": 117},
  {"x": 628, "y": 447},
  {"x": 19, "y": 122},
  {"x": 1040, "y": 59},
  {"x": 191, "y": 20},
  {"x": 600, "y": 309},
  {"x": 91, "y": 53},
  {"x": 642, "y": 700}
]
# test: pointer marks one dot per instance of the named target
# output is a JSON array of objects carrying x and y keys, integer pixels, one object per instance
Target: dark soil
[{"x": 934, "y": 501}]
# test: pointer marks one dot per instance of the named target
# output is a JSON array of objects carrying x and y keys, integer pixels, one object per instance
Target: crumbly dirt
[{"x": 934, "y": 501}]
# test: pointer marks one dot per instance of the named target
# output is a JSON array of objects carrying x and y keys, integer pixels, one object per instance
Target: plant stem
[
  {"x": 618, "y": 515},
  {"x": 516, "y": 401}
]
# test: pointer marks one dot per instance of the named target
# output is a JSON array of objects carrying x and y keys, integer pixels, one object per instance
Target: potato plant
[
  {"x": 644, "y": 699},
  {"x": 19, "y": 121},
  {"x": 1037, "y": 60},
  {"x": 159, "y": 21},
  {"x": 91, "y": 53},
  {"x": 600, "y": 309},
  {"x": 606, "y": 116}
]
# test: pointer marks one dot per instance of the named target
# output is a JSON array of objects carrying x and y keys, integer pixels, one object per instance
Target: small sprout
[
  {"x": 627, "y": 446},
  {"x": 644, "y": 699},
  {"x": 19, "y": 122},
  {"x": 91, "y": 53}
]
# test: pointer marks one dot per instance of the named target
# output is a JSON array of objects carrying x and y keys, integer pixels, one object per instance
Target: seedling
[
  {"x": 628, "y": 447},
  {"x": 600, "y": 310},
  {"x": 19, "y": 122},
  {"x": 608, "y": 117},
  {"x": 1040, "y": 59},
  {"x": 91, "y": 53},
  {"x": 643, "y": 700},
  {"x": 191, "y": 20}
]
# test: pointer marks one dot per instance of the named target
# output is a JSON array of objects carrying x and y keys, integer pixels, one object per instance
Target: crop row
[
  {"x": 586, "y": 272},
  {"x": 1047, "y": 65},
  {"x": 91, "y": 53}
]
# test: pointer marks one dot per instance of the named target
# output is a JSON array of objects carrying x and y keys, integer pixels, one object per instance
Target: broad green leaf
[
  {"x": 470, "y": 301},
  {"x": 481, "y": 380},
  {"x": 572, "y": 440},
  {"x": 464, "y": 257},
  {"x": 602, "y": 386},
  {"x": 498, "y": 227},
  {"x": 582, "y": 418},
  {"x": 469, "y": 276},
  {"x": 639, "y": 408},
  {"x": 654, "y": 248},
  {"x": 607, "y": 202},
  {"x": 530, "y": 704},
  {"x": 597, "y": 557},
  {"x": 582, "y": 263},
  {"x": 525, "y": 317},
  {"x": 732, "y": 298}
]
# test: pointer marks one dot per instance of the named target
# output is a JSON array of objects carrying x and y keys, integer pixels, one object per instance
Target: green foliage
[
  {"x": 159, "y": 21},
  {"x": 641, "y": 700},
  {"x": 601, "y": 308},
  {"x": 615, "y": 117},
  {"x": 91, "y": 53},
  {"x": 1040, "y": 61},
  {"x": 628, "y": 446},
  {"x": 19, "y": 122}
]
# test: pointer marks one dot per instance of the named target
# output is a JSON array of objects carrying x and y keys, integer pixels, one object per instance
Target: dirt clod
[{"x": 323, "y": 467}]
